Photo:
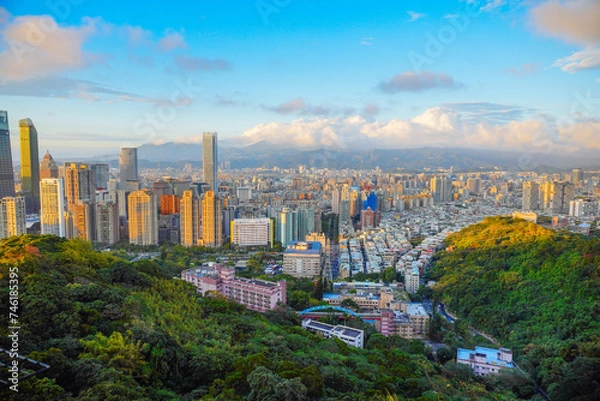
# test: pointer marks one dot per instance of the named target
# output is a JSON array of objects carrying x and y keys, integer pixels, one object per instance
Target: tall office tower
[
  {"x": 189, "y": 218},
  {"x": 210, "y": 160},
  {"x": 52, "y": 211},
  {"x": 371, "y": 201},
  {"x": 211, "y": 220},
  {"x": 107, "y": 223},
  {"x": 7, "y": 179},
  {"x": 101, "y": 172},
  {"x": 531, "y": 196},
  {"x": 12, "y": 216},
  {"x": 80, "y": 183},
  {"x": 344, "y": 210},
  {"x": 48, "y": 167},
  {"x": 577, "y": 175},
  {"x": 128, "y": 165},
  {"x": 335, "y": 201},
  {"x": 30, "y": 165},
  {"x": 143, "y": 219}
]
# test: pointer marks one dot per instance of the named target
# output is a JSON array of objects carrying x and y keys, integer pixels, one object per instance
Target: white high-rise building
[
  {"x": 251, "y": 232},
  {"x": 12, "y": 216},
  {"x": 52, "y": 208}
]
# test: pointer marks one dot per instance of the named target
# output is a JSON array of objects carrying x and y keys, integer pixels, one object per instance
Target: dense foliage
[
  {"x": 118, "y": 330},
  {"x": 534, "y": 290}
]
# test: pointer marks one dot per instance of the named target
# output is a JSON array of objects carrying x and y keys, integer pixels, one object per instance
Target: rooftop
[
  {"x": 491, "y": 355},
  {"x": 308, "y": 247}
]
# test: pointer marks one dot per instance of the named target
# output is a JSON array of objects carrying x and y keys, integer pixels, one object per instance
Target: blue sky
[{"x": 95, "y": 76}]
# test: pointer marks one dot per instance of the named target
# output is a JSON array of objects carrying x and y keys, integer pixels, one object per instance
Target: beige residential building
[
  {"x": 189, "y": 212},
  {"x": 143, "y": 218},
  {"x": 211, "y": 220}
]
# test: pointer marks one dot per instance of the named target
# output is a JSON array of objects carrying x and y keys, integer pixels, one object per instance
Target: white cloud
[
  {"x": 172, "y": 40},
  {"x": 36, "y": 47},
  {"x": 410, "y": 81},
  {"x": 492, "y": 5},
  {"x": 415, "y": 16},
  {"x": 586, "y": 59},
  {"x": 437, "y": 126},
  {"x": 574, "y": 21},
  {"x": 366, "y": 41}
]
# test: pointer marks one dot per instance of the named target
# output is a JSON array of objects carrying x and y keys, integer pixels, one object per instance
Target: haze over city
[{"x": 503, "y": 75}]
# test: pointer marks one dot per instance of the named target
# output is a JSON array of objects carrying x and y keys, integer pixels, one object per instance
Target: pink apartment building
[{"x": 255, "y": 294}]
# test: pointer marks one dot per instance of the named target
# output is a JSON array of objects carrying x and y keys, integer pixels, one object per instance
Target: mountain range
[{"x": 264, "y": 154}]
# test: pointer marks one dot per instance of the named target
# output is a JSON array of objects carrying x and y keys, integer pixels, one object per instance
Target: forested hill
[
  {"x": 114, "y": 330},
  {"x": 537, "y": 292}
]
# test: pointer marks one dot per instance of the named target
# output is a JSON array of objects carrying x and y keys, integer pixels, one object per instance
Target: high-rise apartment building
[
  {"x": 335, "y": 201},
  {"x": 189, "y": 218},
  {"x": 48, "y": 167},
  {"x": 531, "y": 196},
  {"x": 143, "y": 219},
  {"x": 211, "y": 220},
  {"x": 169, "y": 204},
  {"x": 210, "y": 160},
  {"x": 107, "y": 223},
  {"x": 52, "y": 210},
  {"x": 7, "y": 179},
  {"x": 557, "y": 196},
  {"x": 577, "y": 176},
  {"x": 83, "y": 219},
  {"x": 128, "y": 165},
  {"x": 30, "y": 165},
  {"x": 80, "y": 183},
  {"x": 441, "y": 189},
  {"x": 12, "y": 216}
]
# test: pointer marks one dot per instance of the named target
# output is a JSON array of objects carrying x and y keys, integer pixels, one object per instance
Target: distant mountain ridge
[{"x": 264, "y": 154}]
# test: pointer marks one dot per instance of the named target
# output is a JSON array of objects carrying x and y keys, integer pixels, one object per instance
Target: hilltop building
[{"x": 255, "y": 294}]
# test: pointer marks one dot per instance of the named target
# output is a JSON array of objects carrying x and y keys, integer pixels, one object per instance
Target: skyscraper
[
  {"x": 143, "y": 219},
  {"x": 210, "y": 160},
  {"x": 48, "y": 167},
  {"x": 577, "y": 175},
  {"x": 107, "y": 223},
  {"x": 7, "y": 180},
  {"x": 531, "y": 196},
  {"x": 190, "y": 218},
  {"x": 80, "y": 183},
  {"x": 128, "y": 165},
  {"x": 211, "y": 220},
  {"x": 101, "y": 173},
  {"x": 12, "y": 216},
  {"x": 52, "y": 211},
  {"x": 30, "y": 165}
]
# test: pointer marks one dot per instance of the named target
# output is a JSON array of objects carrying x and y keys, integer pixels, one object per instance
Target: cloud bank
[{"x": 455, "y": 125}]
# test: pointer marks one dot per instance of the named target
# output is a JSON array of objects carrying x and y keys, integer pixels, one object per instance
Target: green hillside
[
  {"x": 115, "y": 330},
  {"x": 537, "y": 292}
]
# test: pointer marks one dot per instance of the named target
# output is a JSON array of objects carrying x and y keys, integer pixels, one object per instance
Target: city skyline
[{"x": 479, "y": 74}]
